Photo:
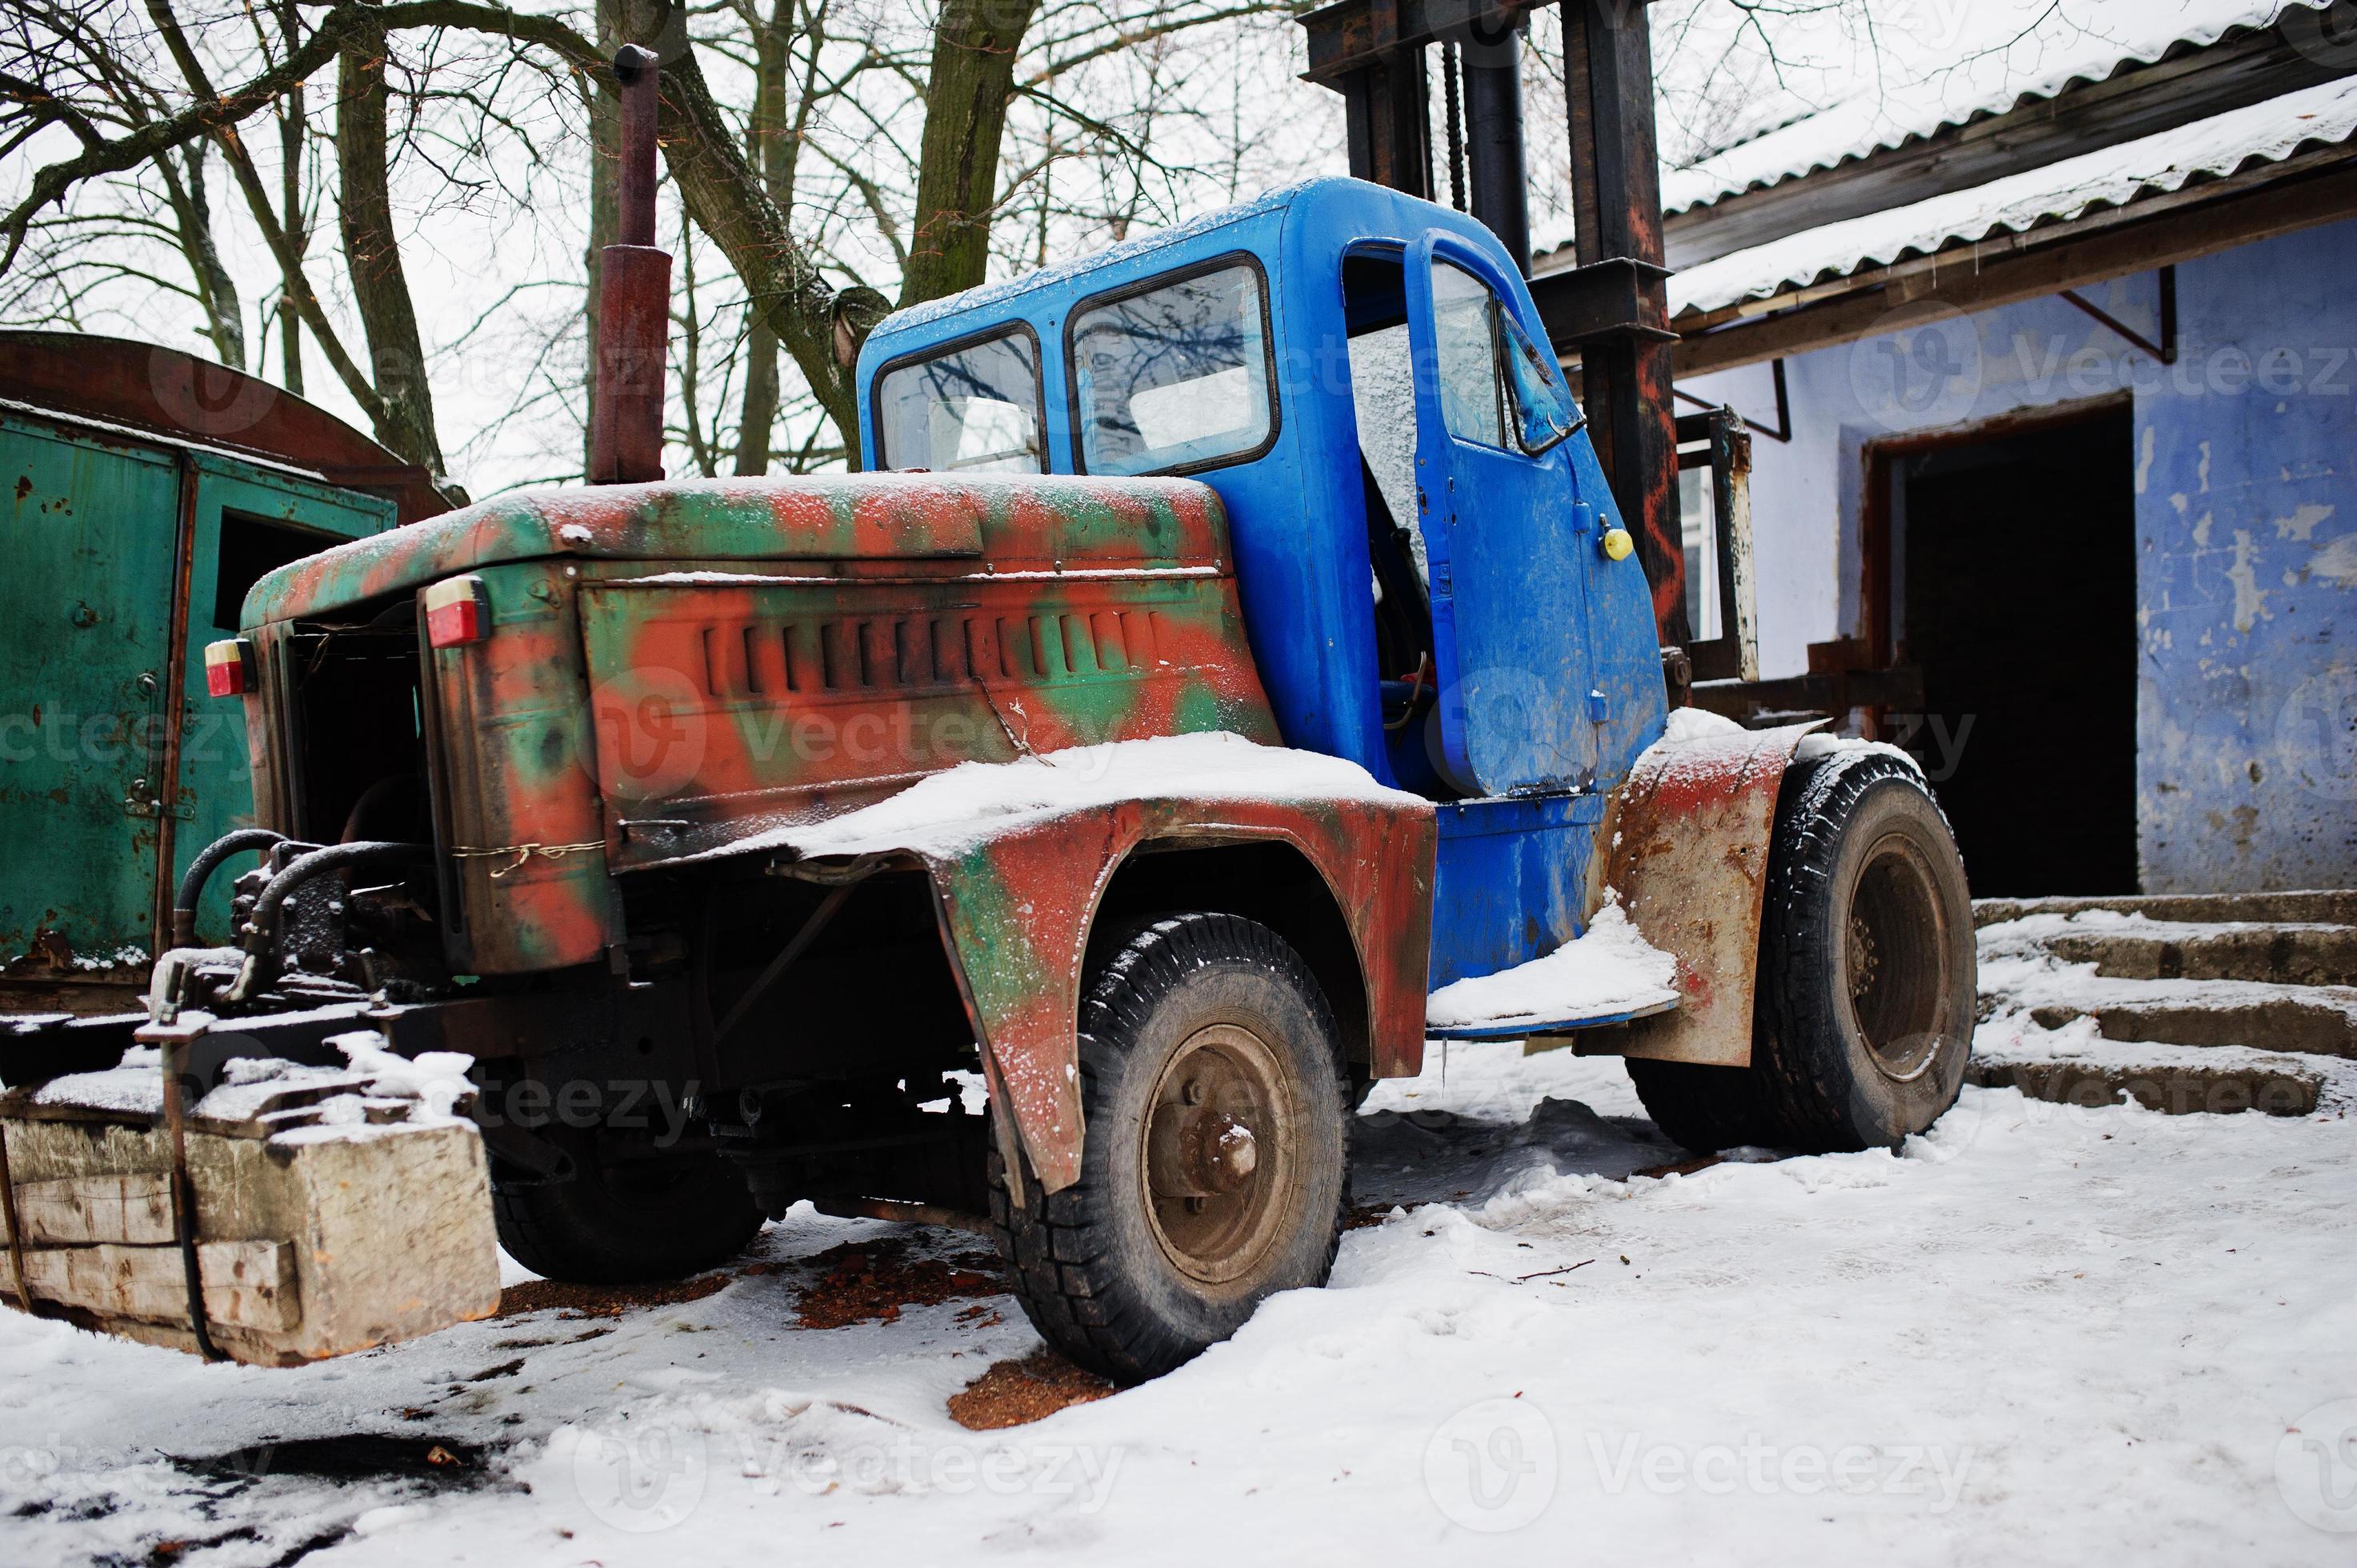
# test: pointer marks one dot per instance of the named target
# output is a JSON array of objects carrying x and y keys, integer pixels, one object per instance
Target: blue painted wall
[{"x": 2246, "y": 531}]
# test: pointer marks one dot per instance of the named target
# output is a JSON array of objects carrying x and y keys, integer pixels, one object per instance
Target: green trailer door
[
  {"x": 86, "y": 580},
  {"x": 120, "y": 559},
  {"x": 247, "y": 521}
]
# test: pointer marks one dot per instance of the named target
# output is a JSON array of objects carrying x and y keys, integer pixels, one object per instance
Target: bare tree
[
  {"x": 372, "y": 257},
  {"x": 66, "y": 66},
  {"x": 880, "y": 153}
]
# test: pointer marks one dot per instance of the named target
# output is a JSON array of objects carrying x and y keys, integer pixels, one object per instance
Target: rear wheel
[
  {"x": 627, "y": 1216},
  {"x": 1864, "y": 1011},
  {"x": 1215, "y": 1165}
]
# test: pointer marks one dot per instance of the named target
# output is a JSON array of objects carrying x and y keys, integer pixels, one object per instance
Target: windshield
[
  {"x": 1174, "y": 377},
  {"x": 974, "y": 409}
]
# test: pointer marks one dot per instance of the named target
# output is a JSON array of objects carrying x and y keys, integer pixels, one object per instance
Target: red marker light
[
  {"x": 228, "y": 668},
  {"x": 457, "y": 612}
]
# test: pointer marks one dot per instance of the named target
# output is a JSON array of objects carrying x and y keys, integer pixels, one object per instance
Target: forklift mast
[{"x": 1611, "y": 311}]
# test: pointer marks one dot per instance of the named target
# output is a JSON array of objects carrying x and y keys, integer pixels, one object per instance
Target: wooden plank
[
  {"x": 2030, "y": 266},
  {"x": 81, "y": 1210},
  {"x": 248, "y": 1285},
  {"x": 373, "y": 1235}
]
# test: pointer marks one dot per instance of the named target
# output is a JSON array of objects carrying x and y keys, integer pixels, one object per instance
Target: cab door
[{"x": 1507, "y": 543}]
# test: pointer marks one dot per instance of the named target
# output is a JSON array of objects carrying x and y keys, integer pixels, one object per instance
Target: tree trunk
[
  {"x": 290, "y": 194},
  {"x": 699, "y": 450},
  {"x": 372, "y": 254},
  {"x": 192, "y": 220},
  {"x": 974, "y": 46},
  {"x": 765, "y": 145},
  {"x": 294, "y": 284},
  {"x": 725, "y": 198}
]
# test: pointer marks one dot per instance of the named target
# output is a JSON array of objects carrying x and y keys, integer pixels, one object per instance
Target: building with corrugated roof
[{"x": 2046, "y": 340}]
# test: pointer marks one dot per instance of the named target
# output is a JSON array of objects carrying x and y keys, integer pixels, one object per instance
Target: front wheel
[
  {"x": 1864, "y": 1011},
  {"x": 1215, "y": 1165}
]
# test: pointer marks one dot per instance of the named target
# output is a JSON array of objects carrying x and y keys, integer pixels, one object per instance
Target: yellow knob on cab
[{"x": 1617, "y": 545}]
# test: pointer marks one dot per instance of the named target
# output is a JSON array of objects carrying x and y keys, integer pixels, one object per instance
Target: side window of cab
[
  {"x": 1175, "y": 375},
  {"x": 970, "y": 408},
  {"x": 1465, "y": 345},
  {"x": 1496, "y": 389}
]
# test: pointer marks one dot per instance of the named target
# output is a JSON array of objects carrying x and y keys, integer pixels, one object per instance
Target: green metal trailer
[{"x": 146, "y": 491}]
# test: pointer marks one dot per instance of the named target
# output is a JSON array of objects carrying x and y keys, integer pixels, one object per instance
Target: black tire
[
  {"x": 625, "y": 1221},
  {"x": 1864, "y": 1014},
  {"x": 1196, "y": 1024},
  {"x": 1705, "y": 1109}
]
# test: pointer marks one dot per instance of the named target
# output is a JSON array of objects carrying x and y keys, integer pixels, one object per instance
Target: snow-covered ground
[{"x": 2041, "y": 1334}]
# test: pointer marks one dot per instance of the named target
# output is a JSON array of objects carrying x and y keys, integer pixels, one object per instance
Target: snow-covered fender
[
  {"x": 1015, "y": 909},
  {"x": 1689, "y": 837}
]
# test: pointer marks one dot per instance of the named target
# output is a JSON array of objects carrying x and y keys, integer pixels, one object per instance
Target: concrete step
[
  {"x": 2324, "y": 1025},
  {"x": 2173, "y": 1088},
  {"x": 2279, "y": 954},
  {"x": 2332, "y": 906}
]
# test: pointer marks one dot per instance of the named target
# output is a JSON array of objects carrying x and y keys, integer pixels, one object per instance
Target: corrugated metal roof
[
  {"x": 1788, "y": 95},
  {"x": 2272, "y": 132},
  {"x": 1932, "y": 65}
]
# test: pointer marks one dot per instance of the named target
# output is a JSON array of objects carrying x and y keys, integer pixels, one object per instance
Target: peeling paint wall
[{"x": 2246, "y": 530}]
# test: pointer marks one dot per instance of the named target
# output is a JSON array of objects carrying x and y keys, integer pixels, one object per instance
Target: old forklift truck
[{"x": 1233, "y": 639}]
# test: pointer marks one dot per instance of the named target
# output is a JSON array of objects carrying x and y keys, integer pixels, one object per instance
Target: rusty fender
[
  {"x": 1688, "y": 842},
  {"x": 1015, "y": 912}
]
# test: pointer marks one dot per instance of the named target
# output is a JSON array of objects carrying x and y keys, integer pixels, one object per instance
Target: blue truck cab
[{"x": 1434, "y": 580}]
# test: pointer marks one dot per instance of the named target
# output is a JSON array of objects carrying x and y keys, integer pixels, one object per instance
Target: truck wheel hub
[
  {"x": 1201, "y": 1154},
  {"x": 1896, "y": 940},
  {"x": 1215, "y": 1167}
]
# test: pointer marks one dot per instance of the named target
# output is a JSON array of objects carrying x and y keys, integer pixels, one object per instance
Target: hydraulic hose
[
  {"x": 200, "y": 870},
  {"x": 260, "y": 925}
]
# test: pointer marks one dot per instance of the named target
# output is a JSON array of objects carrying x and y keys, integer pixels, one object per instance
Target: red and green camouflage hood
[
  {"x": 669, "y": 670},
  {"x": 835, "y": 518}
]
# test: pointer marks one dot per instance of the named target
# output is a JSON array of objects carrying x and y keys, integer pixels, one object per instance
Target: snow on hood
[
  {"x": 2056, "y": 193},
  {"x": 950, "y": 812}
]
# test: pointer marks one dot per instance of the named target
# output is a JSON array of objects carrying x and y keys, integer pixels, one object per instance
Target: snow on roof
[
  {"x": 1749, "y": 100},
  {"x": 2324, "y": 116}
]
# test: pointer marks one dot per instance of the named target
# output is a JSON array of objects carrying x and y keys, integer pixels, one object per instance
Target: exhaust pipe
[{"x": 633, "y": 299}]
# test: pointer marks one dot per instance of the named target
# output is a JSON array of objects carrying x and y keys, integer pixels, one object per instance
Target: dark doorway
[
  {"x": 250, "y": 549},
  {"x": 2013, "y": 552}
]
